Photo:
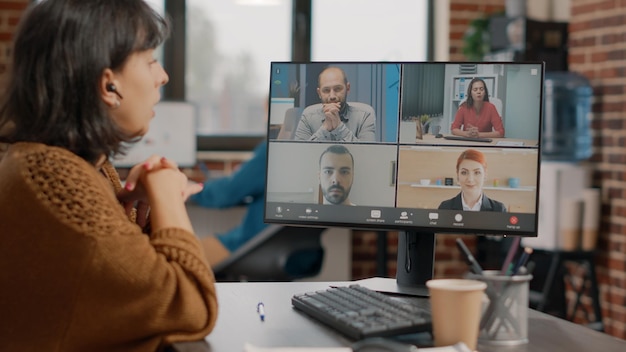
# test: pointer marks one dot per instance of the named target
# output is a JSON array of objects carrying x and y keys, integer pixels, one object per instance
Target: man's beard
[{"x": 336, "y": 198}]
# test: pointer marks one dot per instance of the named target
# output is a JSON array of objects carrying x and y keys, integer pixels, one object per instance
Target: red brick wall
[
  {"x": 597, "y": 49},
  {"x": 462, "y": 12},
  {"x": 10, "y": 12}
]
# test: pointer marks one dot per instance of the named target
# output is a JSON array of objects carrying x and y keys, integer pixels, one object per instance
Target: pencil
[
  {"x": 469, "y": 258},
  {"x": 522, "y": 259}
]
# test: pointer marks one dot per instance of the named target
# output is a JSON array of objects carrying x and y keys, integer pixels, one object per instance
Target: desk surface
[
  {"x": 284, "y": 326},
  {"x": 500, "y": 142}
]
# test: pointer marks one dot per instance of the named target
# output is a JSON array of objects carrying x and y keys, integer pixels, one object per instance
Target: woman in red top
[{"x": 477, "y": 117}]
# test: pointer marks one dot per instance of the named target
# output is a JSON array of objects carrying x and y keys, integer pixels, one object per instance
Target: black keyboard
[
  {"x": 468, "y": 139},
  {"x": 359, "y": 312}
]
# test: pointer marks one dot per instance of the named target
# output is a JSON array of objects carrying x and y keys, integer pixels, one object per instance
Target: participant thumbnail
[
  {"x": 332, "y": 174},
  {"x": 334, "y": 102},
  {"x": 472, "y": 179},
  {"x": 493, "y": 103}
]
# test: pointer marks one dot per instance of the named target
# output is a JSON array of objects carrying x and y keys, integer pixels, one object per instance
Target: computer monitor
[
  {"x": 172, "y": 134},
  {"x": 419, "y": 147}
]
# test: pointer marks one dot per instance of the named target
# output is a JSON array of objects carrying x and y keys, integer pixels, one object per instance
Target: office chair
[
  {"x": 278, "y": 253},
  {"x": 498, "y": 104},
  {"x": 290, "y": 123}
]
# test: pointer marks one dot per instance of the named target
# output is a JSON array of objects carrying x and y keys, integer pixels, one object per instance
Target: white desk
[
  {"x": 497, "y": 142},
  {"x": 238, "y": 323}
]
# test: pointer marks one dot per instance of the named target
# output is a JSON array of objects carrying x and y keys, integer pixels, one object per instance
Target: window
[
  {"x": 158, "y": 6},
  {"x": 369, "y": 30},
  {"x": 230, "y": 44}
]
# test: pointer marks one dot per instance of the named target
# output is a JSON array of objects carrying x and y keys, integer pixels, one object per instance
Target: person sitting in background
[
  {"x": 246, "y": 186},
  {"x": 334, "y": 119},
  {"x": 477, "y": 117},
  {"x": 471, "y": 171},
  {"x": 84, "y": 267}
]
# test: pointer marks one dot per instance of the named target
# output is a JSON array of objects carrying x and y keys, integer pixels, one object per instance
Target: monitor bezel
[{"x": 533, "y": 232}]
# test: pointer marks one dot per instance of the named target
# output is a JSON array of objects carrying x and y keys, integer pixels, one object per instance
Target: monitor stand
[{"x": 415, "y": 266}]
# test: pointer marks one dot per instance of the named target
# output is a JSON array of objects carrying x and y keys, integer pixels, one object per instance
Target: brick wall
[
  {"x": 10, "y": 12},
  {"x": 462, "y": 12},
  {"x": 597, "y": 49}
]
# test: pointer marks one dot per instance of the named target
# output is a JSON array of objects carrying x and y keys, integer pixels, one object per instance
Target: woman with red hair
[{"x": 471, "y": 171}]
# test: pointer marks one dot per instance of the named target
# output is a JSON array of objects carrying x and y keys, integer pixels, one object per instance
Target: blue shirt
[{"x": 246, "y": 186}]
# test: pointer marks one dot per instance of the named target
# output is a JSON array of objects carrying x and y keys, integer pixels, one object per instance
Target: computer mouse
[
  {"x": 438, "y": 135},
  {"x": 381, "y": 344}
]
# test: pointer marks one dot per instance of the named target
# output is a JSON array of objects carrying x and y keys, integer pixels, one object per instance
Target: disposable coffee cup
[{"x": 456, "y": 310}]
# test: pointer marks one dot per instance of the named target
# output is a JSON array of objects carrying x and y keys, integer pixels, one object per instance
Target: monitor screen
[
  {"x": 404, "y": 153},
  {"x": 172, "y": 134},
  {"x": 419, "y": 147}
]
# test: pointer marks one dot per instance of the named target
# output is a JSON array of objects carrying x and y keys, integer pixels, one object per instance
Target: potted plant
[
  {"x": 425, "y": 121},
  {"x": 476, "y": 39}
]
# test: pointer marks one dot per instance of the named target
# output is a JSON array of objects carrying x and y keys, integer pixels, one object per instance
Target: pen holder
[{"x": 504, "y": 321}]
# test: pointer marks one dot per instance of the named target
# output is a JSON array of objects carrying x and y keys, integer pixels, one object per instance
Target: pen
[
  {"x": 260, "y": 308},
  {"x": 522, "y": 259},
  {"x": 469, "y": 258},
  {"x": 509, "y": 256}
]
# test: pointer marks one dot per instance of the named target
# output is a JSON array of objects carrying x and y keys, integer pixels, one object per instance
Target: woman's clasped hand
[{"x": 153, "y": 174}]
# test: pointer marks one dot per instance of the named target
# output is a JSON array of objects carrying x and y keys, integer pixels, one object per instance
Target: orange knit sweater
[{"x": 77, "y": 275}]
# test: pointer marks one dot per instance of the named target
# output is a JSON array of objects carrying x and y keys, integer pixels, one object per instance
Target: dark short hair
[
  {"x": 336, "y": 149},
  {"x": 61, "y": 49}
]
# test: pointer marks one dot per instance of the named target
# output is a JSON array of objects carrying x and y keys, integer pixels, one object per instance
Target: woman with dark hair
[
  {"x": 89, "y": 265},
  {"x": 477, "y": 117},
  {"x": 471, "y": 171}
]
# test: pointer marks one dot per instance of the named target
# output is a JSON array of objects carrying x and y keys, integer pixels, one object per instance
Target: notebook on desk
[{"x": 468, "y": 139}]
